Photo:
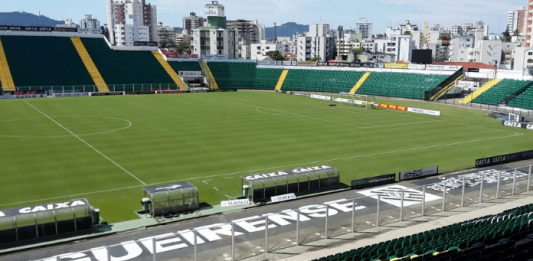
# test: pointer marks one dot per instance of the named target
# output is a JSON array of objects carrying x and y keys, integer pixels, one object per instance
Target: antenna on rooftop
[{"x": 275, "y": 32}]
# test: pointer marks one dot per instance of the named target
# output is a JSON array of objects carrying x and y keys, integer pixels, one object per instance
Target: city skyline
[{"x": 337, "y": 12}]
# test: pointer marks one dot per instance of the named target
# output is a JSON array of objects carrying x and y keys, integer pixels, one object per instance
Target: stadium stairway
[
  {"x": 173, "y": 75},
  {"x": 468, "y": 99},
  {"x": 447, "y": 88},
  {"x": 359, "y": 83},
  {"x": 89, "y": 64},
  {"x": 6, "y": 79},
  {"x": 209, "y": 75},
  {"x": 282, "y": 79}
]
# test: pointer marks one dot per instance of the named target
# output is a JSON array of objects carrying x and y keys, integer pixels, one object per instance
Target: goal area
[{"x": 350, "y": 99}]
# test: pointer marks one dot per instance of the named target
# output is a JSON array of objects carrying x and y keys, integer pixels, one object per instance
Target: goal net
[
  {"x": 514, "y": 117},
  {"x": 349, "y": 99}
]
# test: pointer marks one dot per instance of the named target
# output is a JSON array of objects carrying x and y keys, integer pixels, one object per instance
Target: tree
[
  {"x": 445, "y": 37},
  {"x": 358, "y": 51},
  {"x": 407, "y": 33},
  {"x": 316, "y": 58},
  {"x": 516, "y": 32},
  {"x": 275, "y": 55},
  {"x": 182, "y": 47},
  {"x": 507, "y": 36}
]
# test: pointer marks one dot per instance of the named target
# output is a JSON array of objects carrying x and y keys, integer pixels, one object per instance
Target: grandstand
[
  {"x": 234, "y": 75},
  {"x": 125, "y": 67},
  {"x": 403, "y": 85},
  {"x": 321, "y": 80},
  {"x": 503, "y": 236},
  {"x": 501, "y": 91},
  {"x": 524, "y": 100},
  {"x": 44, "y": 61}
]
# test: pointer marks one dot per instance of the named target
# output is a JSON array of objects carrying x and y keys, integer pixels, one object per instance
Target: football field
[{"x": 106, "y": 149}]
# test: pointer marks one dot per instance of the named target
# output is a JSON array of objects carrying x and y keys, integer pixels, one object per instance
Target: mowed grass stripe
[{"x": 207, "y": 136}]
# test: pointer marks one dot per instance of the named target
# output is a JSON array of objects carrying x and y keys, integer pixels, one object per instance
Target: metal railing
[
  {"x": 254, "y": 238},
  {"x": 93, "y": 88}
]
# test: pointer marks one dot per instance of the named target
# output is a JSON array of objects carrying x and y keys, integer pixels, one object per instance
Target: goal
[
  {"x": 354, "y": 99},
  {"x": 514, "y": 117}
]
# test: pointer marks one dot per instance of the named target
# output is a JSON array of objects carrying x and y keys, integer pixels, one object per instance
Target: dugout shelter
[
  {"x": 298, "y": 181},
  {"x": 36, "y": 222},
  {"x": 172, "y": 199}
]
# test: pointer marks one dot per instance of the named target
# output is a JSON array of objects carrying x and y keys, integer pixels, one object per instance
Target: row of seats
[
  {"x": 44, "y": 61},
  {"x": 229, "y": 75},
  {"x": 501, "y": 91},
  {"x": 266, "y": 79},
  {"x": 403, "y": 85},
  {"x": 505, "y": 236},
  {"x": 524, "y": 100},
  {"x": 125, "y": 67},
  {"x": 321, "y": 80},
  {"x": 185, "y": 66}
]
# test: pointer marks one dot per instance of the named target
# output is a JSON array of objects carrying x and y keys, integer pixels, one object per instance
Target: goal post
[
  {"x": 346, "y": 98},
  {"x": 514, "y": 117}
]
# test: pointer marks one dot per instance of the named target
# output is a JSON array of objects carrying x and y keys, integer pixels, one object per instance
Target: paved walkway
[{"x": 408, "y": 228}]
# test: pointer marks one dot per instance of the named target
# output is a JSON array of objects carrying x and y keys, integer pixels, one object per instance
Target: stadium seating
[
  {"x": 505, "y": 236},
  {"x": 234, "y": 75},
  {"x": 501, "y": 91},
  {"x": 44, "y": 61},
  {"x": 403, "y": 85},
  {"x": 129, "y": 68},
  {"x": 321, "y": 80},
  {"x": 524, "y": 100},
  {"x": 266, "y": 79},
  {"x": 185, "y": 66}
]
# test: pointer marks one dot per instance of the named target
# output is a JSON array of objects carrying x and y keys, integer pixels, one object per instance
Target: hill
[
  {"x": 26, "y": 19},
  {"x": 287, "y": 29}
]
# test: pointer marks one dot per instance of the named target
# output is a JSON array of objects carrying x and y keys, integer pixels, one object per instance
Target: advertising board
[
  {"x": 423, "y": 111},
  {"x": 139, "y": 43},
  {"x": 502, "y": 159},
  {"x": 236, "y": 202},
  {"x": 396, "y": 66},
  {"x": 373, "y": 181},
  {"x": 282, "y": 198},
  {"x": 419, "y": 173},
  {"x": 442, "y": 67},
  {"x": 190, "y": 73},
  {"x": 467, "y": 85},
  {"x": 517, "y": 125},
  {"x": 321, "y": 97}
]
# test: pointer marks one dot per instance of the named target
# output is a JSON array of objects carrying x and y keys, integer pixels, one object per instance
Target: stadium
[{"x": 124, "y": 154}]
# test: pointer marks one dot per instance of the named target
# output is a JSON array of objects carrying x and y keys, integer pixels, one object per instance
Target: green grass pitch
[{"x": 106, "y": 148}]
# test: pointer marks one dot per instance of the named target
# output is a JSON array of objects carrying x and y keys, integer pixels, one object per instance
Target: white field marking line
[
  {"x": 334, "y": 122},
  {"x": 86, "y": 143},
  {"x": 215, "y": 188},
  {"x": 258, "y": 110},
  {"x": 227, "y": 196},
  {"x": 205, "y": 181},
  {"x": 271, "y": 168},
  {"x": 347, "y": 111},
  {"x": 65, "y": 136},
  {"x": 400, "y": 124}
]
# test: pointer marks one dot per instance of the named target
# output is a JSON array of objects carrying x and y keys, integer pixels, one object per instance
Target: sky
[{"x": 381, "y": 13}]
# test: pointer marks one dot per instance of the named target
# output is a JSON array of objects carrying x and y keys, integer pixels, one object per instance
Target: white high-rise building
[
  {"x": 215, "y": 40},
  {"x": 131, "y": 21},
  {"x": 89, "y": 25},
  {"x": 318, "y": 42},
  {"x": 365, "y": 28}
]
